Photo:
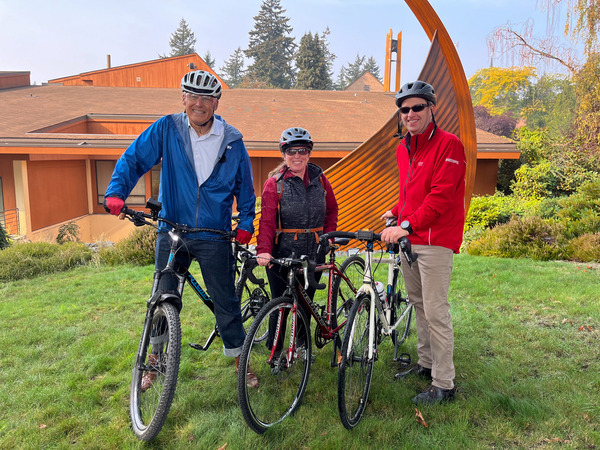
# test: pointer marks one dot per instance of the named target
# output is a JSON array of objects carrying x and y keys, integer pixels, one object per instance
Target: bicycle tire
[
  {"x": 355, "y": 369},
  {"x": 343, "y": 293},
  {"x": 252, "y": 298},
  {"x": 281, "y": 386},
  {"x": 400, "y": 306},
  {"x": 148, "y": 409}
]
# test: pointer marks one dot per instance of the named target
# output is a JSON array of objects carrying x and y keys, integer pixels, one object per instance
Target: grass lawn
[{"x": 527, "y": 358}]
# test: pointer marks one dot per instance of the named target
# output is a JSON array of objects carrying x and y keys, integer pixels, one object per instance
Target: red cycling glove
[
  {"x": 114, "y": 205},
  {"x": 243, "y": 236}
]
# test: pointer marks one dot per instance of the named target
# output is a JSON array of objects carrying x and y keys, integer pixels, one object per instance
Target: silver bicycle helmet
[
  {"x": 295, "y": 136},
  {"x": 201, "y": 83},
  {"x": 415, "y": 89}
]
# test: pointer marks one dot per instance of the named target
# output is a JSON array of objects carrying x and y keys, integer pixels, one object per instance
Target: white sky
[{"x": 52, "y": 39}]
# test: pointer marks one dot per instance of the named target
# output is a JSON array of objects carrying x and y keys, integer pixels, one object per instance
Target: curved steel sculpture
[{"x": 366, "y": 180}]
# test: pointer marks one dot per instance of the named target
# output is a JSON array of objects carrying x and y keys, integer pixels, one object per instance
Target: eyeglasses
[
  {"x": 203, "y": 98},
  {"x": 416, "y": 108},
  {"x": 301, "y": 151}
]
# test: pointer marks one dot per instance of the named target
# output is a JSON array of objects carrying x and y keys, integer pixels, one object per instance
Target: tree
[
  {"x": 271, "y": 47},
  {"x": 233, "y": 70},
  {"x": 550, "y": 103},
  {"x": 372, "y": 67},
  {"x": 503, "y": 125},
  {"x": 501, "y": 90},
  {"x": 182, "y": 41},
  {"x": 311, "y": 62},
  {"x": 208, "y": 59},
  {"x": 355, "y": 69}
]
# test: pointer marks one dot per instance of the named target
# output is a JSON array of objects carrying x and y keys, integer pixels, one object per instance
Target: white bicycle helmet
[
  {"x": 201, "y": 83},
  {"x": 295, "y": 136}
]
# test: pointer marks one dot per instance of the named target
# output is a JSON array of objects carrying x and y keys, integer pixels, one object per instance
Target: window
[{"x": 104, "y": 170}]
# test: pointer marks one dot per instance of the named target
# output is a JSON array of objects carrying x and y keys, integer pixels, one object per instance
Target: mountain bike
[
  {"x": 282, "y": 363},
  {"x": 157, "y": 359},
  {"x": 371, "y": 318}
]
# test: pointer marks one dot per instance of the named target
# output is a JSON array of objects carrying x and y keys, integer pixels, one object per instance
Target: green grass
[{"x": 526, "y": 375}]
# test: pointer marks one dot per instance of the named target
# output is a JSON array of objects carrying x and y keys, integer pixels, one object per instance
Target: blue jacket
[{"x": 183, "y": 201}]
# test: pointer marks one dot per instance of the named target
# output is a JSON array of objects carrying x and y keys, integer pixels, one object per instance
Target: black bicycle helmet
[
  {"x": 201, "y": 83},
  {"x": 415, "y": 89},
  {"x": 295, "y": 136}
]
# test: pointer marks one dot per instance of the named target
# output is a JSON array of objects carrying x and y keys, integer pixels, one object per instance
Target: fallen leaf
[
  {"x": 42, "y": 426},
  {"x": 517, "y": 307},
  {"x": 419, "y": 418},
  {"x": 224, "y": 446},
  {"x": 190, "y": 438},
  {"x": 547, "y": 307}
]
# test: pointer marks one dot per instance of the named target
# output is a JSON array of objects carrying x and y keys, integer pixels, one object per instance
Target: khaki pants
[{"x": 427, "y": 285}]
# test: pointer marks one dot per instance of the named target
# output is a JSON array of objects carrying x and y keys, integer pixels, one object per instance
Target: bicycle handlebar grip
[{"x": 310, "y": 276}]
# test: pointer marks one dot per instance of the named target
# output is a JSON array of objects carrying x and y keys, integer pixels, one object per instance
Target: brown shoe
[
  {"x": 148, "y": 379},
  {"x": 251, "y": 378}
]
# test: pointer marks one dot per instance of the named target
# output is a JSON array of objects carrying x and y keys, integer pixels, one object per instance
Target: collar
[{"x": 217, "y": 128}]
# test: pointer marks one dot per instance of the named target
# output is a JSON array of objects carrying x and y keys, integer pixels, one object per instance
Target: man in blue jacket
[{"x": 205, "y": 165}]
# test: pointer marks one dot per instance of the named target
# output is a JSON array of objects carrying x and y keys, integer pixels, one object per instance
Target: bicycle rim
[
  {"x": 345, "y": 292},
  {"x": 355, "y": 369},
  {"x": 158, "y": 357},
  {"x": 252, "y": 298},
  {"x": 281, "y": 382}
]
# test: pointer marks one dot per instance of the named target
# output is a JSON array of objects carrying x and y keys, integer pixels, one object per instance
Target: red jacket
[
  {"x": 432, "y": 187},
  {"x": 268, "y": 211}
]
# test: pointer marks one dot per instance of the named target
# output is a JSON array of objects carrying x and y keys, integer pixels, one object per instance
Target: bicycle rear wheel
[
  {"x": 282, "y": 377},
  {"x": 355, "y": 369},
  {"x": 156, "y": 364},
  {"x": 400, "y": 307},
  {"x": 252, "y": 298}
]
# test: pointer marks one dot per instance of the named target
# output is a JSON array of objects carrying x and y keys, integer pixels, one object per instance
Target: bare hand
[
  {"x": 264, "y": 259},
  {"x": 387, "y": 215},
  {"x": 392, "y": 235}
]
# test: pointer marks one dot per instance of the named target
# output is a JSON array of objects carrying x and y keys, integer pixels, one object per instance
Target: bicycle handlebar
[
  {"x": 370, "y": 236},
  {"x": 140, "y": 218},
  {"x": 306, "y": 265}
]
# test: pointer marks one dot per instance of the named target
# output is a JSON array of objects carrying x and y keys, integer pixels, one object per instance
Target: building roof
[{"x": 343, "y": 118}]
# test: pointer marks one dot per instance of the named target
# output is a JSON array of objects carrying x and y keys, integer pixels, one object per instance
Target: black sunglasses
[
  {"x": 300, "y": 151},
  {"x": 416, "y": 108}
]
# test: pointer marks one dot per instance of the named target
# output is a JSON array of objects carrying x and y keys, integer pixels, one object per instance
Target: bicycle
[
  {"x": 282, "y": 363},
  {"x": 371, "y": 318},
  {"x": 158, "y": 355}
]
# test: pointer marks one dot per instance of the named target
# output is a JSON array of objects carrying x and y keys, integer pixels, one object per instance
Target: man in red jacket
[{"x": 431, "y": 212}]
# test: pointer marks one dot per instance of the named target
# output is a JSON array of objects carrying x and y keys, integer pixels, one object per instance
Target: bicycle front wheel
[
  {"x": 281, "y": 366},
  {"x": 344, "y": 292},
  {"x": 355, "y": 369},
  {"x": 155, "y": 373}
]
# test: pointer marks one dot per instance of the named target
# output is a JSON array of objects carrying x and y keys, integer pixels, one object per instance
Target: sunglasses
[
  {"x": 416, "y": 108},
  {"x": 300, "y": 151}
]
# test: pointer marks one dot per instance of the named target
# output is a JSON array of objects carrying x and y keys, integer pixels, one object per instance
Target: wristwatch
[{"x": 405, "y": 225}]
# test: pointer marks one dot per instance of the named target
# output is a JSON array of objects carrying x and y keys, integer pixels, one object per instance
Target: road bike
[
  {"x": 156, "y": 366},
  {"x": 370, "y": 319},
  {"x": 282, "y": 361}
]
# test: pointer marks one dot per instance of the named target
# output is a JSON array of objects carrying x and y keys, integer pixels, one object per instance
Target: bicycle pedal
[{"x": 404, "y": 361}]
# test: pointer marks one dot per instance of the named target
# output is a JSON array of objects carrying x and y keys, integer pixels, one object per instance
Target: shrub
[
  {"x": 488, "y": 211},
  {"x": 68, "y": 232},
  {"x": 585, "y": 248},
  {"x": 26, "y": 260},
  {"x": 4, "y": 239},
  {"x": 137, "y": 249},
  {"x": 522, "y": 237}
]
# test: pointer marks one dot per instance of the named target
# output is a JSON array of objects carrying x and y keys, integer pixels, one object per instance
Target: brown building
[{"x": 59, "y": 143}]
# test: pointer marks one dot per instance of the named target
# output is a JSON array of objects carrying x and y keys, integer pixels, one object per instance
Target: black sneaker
[
  {"x": 433, "y": 395},
  {"x": 416, "y": 370}
]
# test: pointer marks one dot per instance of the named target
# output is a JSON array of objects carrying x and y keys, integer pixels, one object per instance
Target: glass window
[
  {"x": 155, "y": 177},
  {"x": 104, "y": 170}
]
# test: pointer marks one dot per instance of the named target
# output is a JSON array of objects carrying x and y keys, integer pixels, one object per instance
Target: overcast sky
[{"x": 57, "y": 38}]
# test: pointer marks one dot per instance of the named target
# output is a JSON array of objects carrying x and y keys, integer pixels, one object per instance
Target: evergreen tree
[
  {"x": 233, "y": 70},
  {"x": 341, "y": 82},
  {"x": 182, "y": 41},
  {"x": 312, "y": 66},
  {"x": 329, "y": 58},
  {"x": 355, "y": 69},
  {"x": 271, "y": 47},
  {"x": 372, "y": 67},
  {"x": 208, "y": 59}
]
